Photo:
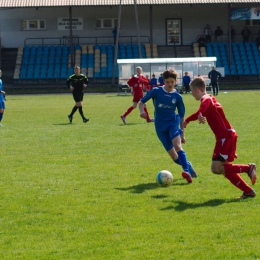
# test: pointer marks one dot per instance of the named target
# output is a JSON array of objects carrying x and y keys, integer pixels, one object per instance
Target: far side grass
[{"x": 88, "y": 191}]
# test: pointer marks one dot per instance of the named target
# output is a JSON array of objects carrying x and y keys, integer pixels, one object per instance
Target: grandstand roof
[{"x": 58, "y": 3}]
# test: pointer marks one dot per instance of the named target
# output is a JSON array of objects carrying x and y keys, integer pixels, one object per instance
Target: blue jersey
[
  {"x": 186, "y": 80},
  {"x": 2, "y": 98},
  {"x": 153, "y": 81},
  {"x": 161, "y": 81},
  {"x": 165, "y": 105}
]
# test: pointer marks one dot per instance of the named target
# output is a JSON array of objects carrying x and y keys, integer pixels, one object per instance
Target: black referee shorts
[{"x": 78, "y": 96}]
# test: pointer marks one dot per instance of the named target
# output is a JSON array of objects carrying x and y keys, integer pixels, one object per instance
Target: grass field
[{"x": 88, "y": 191}]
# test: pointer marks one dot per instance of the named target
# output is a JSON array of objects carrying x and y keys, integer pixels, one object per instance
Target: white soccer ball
[{"x": 164, "y": 178}]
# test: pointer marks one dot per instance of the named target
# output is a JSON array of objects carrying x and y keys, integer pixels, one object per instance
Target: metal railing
[
  {"x": 65, "y": 40},
  {"x": 225, "y": 38}
]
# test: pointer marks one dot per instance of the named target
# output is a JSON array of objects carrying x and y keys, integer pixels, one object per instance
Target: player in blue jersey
[
  {"x": 2, "y": 99},
  {"x": 168, "y": 124}
]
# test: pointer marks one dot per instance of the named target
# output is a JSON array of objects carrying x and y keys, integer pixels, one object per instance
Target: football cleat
[
  {"x": 70, "y": 118},
  {"x": 187, "y": 176},
  {"x": 252, "y": 172},
  {"x": 248, "y": 195},
  {"x": 150, "y": 120},
  {"x": 85, "y": 120},
  {"x": 123, "y": 119},
  {"x": 192, "y": 171}
]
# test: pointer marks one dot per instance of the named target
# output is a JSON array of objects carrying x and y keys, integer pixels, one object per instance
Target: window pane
[
  {"x": 42, "y": 24},
  {"x": 24, "y": 25},
  {"x": 107, "y": 23},
  {"x": 256, "y": 22},
  {"x": 32, "y": 24}
]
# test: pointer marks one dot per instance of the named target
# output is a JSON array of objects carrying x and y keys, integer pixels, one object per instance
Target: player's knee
[{"x": 215, "y": 169}]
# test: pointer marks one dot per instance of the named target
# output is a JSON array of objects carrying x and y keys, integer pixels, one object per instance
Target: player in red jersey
[
  {"x": 137, "y": 83},
  {"x": 226, "y": 138}
]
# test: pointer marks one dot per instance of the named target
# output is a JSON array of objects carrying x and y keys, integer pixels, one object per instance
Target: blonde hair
[{"x": 199, "y": 83}]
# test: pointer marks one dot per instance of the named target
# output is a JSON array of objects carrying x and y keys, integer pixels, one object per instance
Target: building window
[
  {"x": 106, "y": 23},
  {"x": 253, "y": 22},
  {"x": 36, "y": 24}
]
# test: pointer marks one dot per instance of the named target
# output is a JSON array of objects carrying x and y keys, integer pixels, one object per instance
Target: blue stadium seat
[
  {"x": 29, "y": 74},
  {"x": 96, "y": 74},
  {"x": 247, "y": 72},
  {"x": 22, "y": 75}
]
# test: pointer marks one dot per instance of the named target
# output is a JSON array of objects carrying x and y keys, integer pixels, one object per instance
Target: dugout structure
[{"x": 194, "y": 66}]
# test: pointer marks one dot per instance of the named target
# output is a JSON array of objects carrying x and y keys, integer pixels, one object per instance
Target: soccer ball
[{"x": 164, "y": 178}]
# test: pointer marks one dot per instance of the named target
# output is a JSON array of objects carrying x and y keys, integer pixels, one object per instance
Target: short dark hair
[{"x": 170, "y": 73}]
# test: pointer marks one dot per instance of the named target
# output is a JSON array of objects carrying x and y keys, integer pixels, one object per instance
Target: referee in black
[{"x": 77, "y": 82}]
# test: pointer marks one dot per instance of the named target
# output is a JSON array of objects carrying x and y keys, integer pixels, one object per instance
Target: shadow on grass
[
  {"x": 63, "y": 124},
  {"x": 140, "y": 188},
  {"x": 128, "y": 124},
  {"x": 181, "y": 205}
]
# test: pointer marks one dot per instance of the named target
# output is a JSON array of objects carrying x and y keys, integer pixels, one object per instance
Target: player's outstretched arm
[{"x": 201, "y": 118}]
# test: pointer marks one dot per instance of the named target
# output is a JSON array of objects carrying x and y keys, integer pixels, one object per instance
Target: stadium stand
[
  {"x": 245, "y": 57},
  {"x": 54, "y": 62}
]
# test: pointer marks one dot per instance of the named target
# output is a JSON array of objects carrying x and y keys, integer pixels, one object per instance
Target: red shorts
[
  {"x": 226, "y": 148},
  {"x": 137, "y": 98}
]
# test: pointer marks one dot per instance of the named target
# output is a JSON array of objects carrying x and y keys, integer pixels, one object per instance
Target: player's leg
[
  {"x": 1, "y": 112},
  {"x": 168, "y": 146},
  {"x": 182, "y": 158},
  {"x": 129, "y": 110},
  {"x": 213, "y": 88},
  {"x": 223, "y": 154},
  {"x": 186, "y": 89},
  {"x": 220, "y": 167},
  {"x": 148, "y": 119},
  {"x": 217, "y": 88},
  {"x": 226, "y": 150},
  {"x": 79, "y": 105},
  {"x": 74, "y": 109}
]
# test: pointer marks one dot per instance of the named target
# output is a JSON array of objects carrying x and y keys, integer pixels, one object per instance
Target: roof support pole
[
  {"x": 151, "y": 29},
  {"x": 71, "y": 38},
  {"x": 116, "y": 45},
  {"x": 137, "y": 30},
  {"x": 229, "y": 33}
]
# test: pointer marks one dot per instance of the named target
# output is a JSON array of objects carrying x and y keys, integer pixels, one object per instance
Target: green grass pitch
[{"x": 88, "y": 191}]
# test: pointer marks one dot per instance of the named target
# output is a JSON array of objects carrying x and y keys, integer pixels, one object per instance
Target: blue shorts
[
  {"x": 2, "y": 104},
  {"x": 167, "y": 135}
]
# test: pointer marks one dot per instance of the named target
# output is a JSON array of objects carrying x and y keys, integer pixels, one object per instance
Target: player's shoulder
[
  {"x": 72, "y": 76},
  {"x": 83, "y": 75}
]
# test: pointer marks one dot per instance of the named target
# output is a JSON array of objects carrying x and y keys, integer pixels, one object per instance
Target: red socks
[
  {"x": 129, "y": 110},
  {"x": 146, "y": 111},
  {"x": 231, "y": 173},
  {"x": 235, "y": 168},
  {"x": 237, "y": 181}
]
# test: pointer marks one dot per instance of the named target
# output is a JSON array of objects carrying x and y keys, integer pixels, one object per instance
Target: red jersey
[
  {"x": 213, "y": 111},
  {"x": 140, "y": 81}
]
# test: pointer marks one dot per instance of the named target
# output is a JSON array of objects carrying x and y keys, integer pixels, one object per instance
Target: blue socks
[
  {"x": 182, "y": 160},
  {"x": 1, "y": 116}
]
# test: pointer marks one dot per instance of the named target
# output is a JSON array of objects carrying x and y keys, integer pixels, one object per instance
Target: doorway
[{"x": 173, "y": 32}]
